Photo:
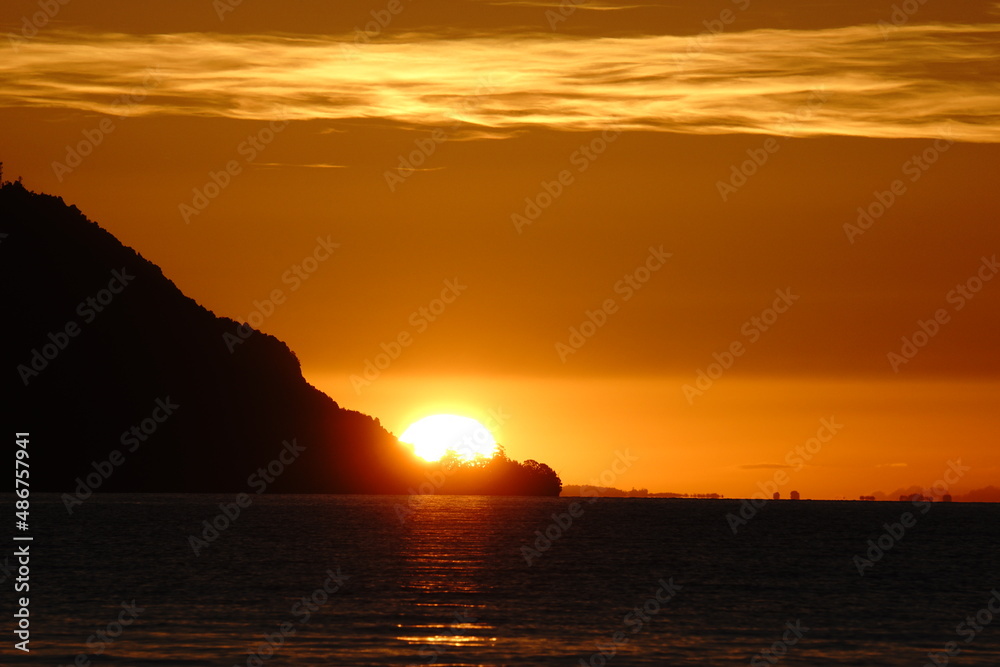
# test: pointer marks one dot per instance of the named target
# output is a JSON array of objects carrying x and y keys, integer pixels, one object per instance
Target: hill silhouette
[{"x": 126, "y": 384}]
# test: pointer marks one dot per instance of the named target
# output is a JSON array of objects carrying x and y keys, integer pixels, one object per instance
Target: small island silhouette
[{"x": 128, "y": 385}]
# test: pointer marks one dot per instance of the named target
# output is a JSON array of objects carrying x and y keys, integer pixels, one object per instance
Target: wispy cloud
[
  {"x": 765, "y": 466},
  {"x": 925, "y": 81},
  {"x": 596, "y": 5},
  {"x": 316, "y": 165}
]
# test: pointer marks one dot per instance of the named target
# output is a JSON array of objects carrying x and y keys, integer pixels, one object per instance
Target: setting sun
[{"x": 432, "y": 437}]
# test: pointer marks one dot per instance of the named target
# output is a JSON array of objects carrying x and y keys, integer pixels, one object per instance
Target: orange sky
[{"x": 624, "y": 126}]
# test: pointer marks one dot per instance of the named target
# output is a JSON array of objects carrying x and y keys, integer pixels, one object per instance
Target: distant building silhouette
[
  {"x": 777, "y": 496},
  {"x": 870, "y": 498},
  {"x": 946, "y": 498},
  {"x": 794, "y": 495}
]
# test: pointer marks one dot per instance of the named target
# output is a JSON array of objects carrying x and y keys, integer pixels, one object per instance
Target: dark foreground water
[{"x": 648, "y": 582}]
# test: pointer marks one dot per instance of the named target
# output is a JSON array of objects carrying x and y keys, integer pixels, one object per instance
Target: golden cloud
[{"x": 917, "y": 81}]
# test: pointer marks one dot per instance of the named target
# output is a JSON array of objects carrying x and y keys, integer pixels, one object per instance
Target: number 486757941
[{"x": 21, "y": 476}]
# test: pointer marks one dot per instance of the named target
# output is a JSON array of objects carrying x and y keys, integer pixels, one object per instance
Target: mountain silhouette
[{"x": 126, "y": 384}]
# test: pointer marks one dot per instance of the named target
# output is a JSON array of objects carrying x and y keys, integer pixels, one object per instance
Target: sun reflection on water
[{"x": 447, "y": 556}]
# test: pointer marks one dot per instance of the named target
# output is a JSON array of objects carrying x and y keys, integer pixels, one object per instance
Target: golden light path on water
[{"x": 448, "y": 560}]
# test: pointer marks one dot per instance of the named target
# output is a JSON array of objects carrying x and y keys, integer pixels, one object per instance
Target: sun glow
[{"x": 432, "y": 437}]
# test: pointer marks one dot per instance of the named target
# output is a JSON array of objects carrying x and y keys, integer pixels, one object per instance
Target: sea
[{"x": 471, "y": 580}]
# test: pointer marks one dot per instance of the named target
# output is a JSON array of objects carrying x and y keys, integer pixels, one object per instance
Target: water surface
[{"x": 449, "y": 582}]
